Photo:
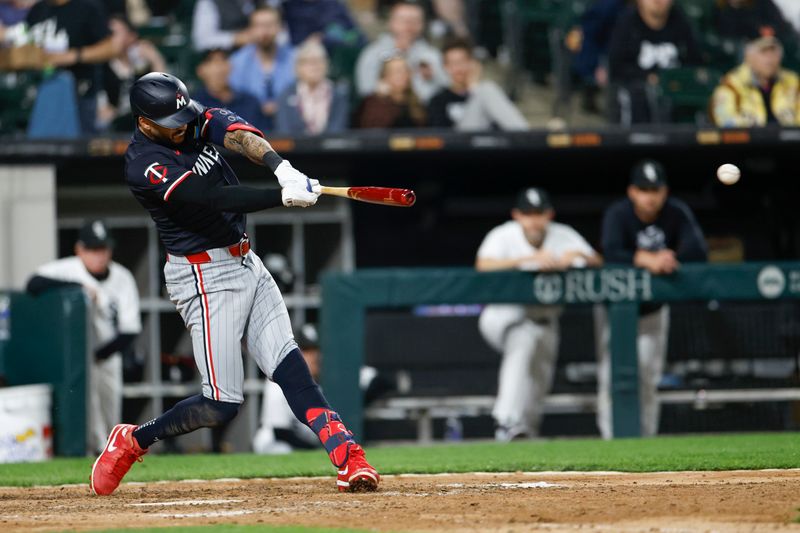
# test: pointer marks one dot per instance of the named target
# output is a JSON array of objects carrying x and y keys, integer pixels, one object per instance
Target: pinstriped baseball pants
[{"x": 230, "y": 305}]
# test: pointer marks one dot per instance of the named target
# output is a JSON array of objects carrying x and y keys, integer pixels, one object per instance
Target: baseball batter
[
  {"x": 226, "y": 297},
  {"x": 527, "y": 336},
  {"x": 115, "y": 319},
  {"x": 651, "y": 231}
]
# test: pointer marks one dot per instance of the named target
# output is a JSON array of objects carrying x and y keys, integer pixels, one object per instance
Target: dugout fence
[{"x": 348, "y": 297}]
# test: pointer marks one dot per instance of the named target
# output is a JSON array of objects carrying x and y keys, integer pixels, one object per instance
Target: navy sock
[
  {"x": 185, "y": 416},
  {"x": 299, "y": 388}
]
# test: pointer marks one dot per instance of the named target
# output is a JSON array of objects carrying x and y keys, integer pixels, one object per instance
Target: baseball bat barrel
[{"x": 375, "y": 195}]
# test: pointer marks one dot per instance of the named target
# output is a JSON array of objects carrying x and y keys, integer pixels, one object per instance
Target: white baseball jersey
[
  {"x": 116, "y": 308},
  {"x": 508, "y": 241}
]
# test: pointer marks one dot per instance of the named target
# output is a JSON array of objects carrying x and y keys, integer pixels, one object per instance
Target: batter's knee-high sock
[
  {"x": 185, "y": 416},
  {"x": 310, "y": 407}
]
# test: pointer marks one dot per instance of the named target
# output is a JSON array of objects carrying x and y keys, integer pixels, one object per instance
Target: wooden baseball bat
[{"x": 375, "y": 195}]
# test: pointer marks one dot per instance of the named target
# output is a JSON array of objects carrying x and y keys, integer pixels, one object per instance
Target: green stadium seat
[
  {"x": 687, "y": 92},
  {"x": 17, "y": 94}
]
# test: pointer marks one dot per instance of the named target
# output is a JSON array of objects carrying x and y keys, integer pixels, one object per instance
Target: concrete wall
[{"x": 28, "y": 234}]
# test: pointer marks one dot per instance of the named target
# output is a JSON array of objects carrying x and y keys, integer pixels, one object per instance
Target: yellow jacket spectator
[{"x": 758, "y": 92}]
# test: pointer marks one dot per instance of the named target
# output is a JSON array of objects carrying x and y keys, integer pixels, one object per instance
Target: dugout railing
[{"x": 346, "y": 299}]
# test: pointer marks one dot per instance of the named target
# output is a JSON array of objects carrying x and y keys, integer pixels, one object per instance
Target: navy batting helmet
[{"x": 164, "y": 99}]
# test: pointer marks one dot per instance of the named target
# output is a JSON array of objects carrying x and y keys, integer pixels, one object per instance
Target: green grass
[{"x": 720, "y": 452}]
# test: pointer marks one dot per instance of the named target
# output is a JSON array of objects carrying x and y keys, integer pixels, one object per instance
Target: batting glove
[
  {"x": 301, "y": 196},
  {"x": 288, "y": 175}
]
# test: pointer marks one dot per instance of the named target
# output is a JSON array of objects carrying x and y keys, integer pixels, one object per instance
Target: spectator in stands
[
  {"x": 314, "y": 104},
  {"x": 13, "y": 12},
  {"x": 589, "y": 42},
  {"x": 406, "y": 24},
  {"x": 452, "y": 15},
  {"x": 469, "y": 103},
  {"x": 652, "y": 36},
  {"x": 214, "y": 70},
  {"x": 136, "y": 58},
  {"x": 648, "y": 230},
  {"x": 394, "y": 104},
  {"x": 739, "y": 20},
  {"x": 115, "y": 319},
  {"x": 264, "y": 68},
  {"x": 326, "y": 20},
  {"x": 758, "y": 92},
  {"x": 527, "y": 336},
  {"x": 221, "y": 24},
  {"x": 76, "y": 37}
]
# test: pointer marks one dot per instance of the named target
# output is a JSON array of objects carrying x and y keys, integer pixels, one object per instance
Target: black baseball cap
[
  {"x": 648, "y": 174},
  {"x": 533, "y": 200},
  {"x": 164, "y": 99},
  {"x": 307, "y": 337},
  {"x": 94, "y": 234}
]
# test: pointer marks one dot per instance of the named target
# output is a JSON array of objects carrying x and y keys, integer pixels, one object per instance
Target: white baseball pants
[
  {"x": 652, "y": 353},
  {"x": 528, "y": 339}
]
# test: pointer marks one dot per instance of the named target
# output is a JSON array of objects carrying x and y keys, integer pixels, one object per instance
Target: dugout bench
[{"x": 347, "y": 297}]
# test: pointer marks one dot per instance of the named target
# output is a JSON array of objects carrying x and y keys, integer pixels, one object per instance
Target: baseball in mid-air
[{"x": 729, "y": 174}]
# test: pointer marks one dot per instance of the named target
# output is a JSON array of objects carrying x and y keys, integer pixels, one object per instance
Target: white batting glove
[
  {"x": 288, "y": 175},
  {"x": 296, "y": 195}
]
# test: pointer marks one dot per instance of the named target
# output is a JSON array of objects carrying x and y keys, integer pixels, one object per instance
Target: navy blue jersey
[
  {"x": 154, "y": 171},
  {"x": 675, "y": 228}
]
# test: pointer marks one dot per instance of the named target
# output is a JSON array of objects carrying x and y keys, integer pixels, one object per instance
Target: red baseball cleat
[
  {"x": 357, "y": 475},
  {"x": 120, "y": 453}
]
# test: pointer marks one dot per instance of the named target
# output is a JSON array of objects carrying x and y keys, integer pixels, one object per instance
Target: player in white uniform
[
  {"x": 115, "y": 319},
  {"x": 527, "y": 336},
  {"x": 280, "y": 431}
]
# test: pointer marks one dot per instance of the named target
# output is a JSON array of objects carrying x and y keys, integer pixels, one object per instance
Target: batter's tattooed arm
[{"x": 249, "y": 145}]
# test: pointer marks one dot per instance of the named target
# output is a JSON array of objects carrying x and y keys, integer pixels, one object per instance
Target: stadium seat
[
  {"x": 686, "y": 93},
  {"x": 17, "y": 94}
]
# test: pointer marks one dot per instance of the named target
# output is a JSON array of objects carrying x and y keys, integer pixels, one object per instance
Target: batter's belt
[{"x": 240, "y": 249}]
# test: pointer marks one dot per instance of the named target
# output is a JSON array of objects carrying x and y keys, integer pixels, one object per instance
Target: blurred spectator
[
  {"x": 13, "y": 12},
  {"x": 652, "y": 36},
  {"x": 589, "y": 42},
  {"x": 453, "y": 15},
  {"x": 469, "y": 103},
  {"x": 791, "y": 12},
  {"x": 76, "y": 36},
  {"x": 406, "y": 24},
  {"x": 221, "y": 24},
  {"x": 326, "y": 20},
  {"x": 648, "y": 230},
  {"x": 394, "y": 104},
  {"x": 214, "y": 70},
  {"x": 527, "y": 336},
  {"x": 136, "y": 58},
  {"x": 314, "y": 104},
  {"x": 758, "y": 92},
  {"x": 264, "y": 68},
  {"x": 741, "y": 19}
]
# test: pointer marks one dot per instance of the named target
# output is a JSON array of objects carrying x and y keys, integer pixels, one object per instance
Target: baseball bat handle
[{"x": 374, "y": 195}]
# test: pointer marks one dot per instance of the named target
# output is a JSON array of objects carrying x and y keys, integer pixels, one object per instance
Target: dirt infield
[{"x": 675, "y": 502}]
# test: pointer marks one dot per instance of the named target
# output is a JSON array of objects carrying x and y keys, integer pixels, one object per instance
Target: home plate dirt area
[{"x": 672, "y": 502}]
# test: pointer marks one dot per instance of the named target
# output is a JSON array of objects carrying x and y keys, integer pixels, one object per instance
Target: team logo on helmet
[
  {"x": 180, "y": 100},
  {"x": 156, "y": 173}
]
